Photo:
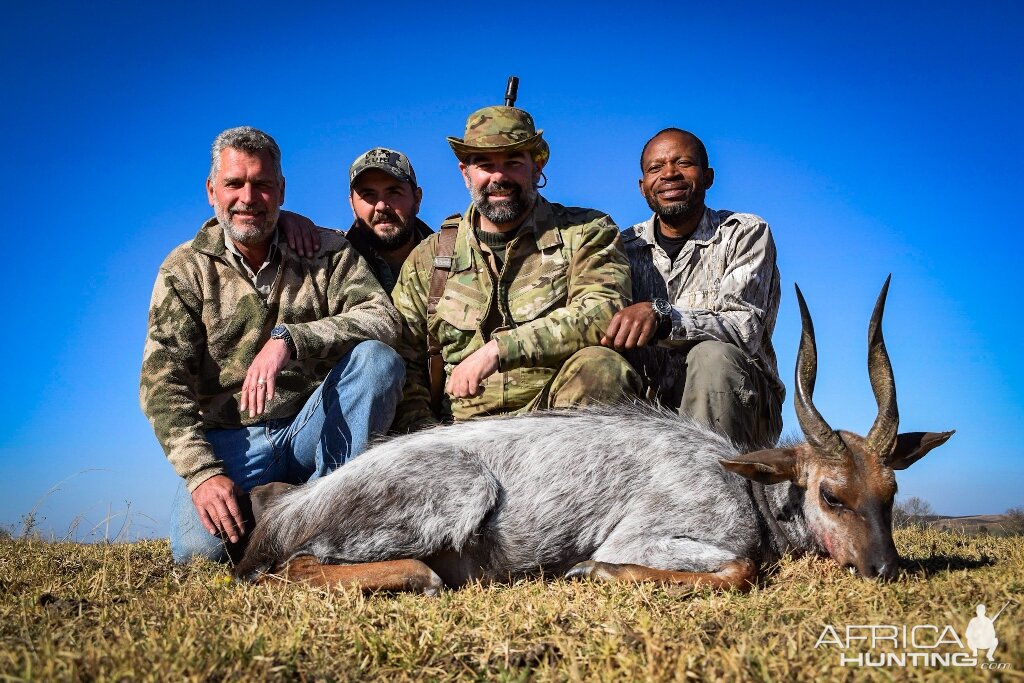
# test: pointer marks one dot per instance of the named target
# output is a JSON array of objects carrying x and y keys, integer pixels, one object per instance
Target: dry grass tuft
[{"x": 125, "y": 612}]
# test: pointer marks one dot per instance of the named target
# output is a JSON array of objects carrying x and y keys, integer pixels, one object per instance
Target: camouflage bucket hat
[
  {"x": 501, "y": 129},
  {"x": 395, "y": 164}
]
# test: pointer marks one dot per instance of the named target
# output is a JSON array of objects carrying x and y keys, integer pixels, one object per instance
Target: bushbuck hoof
[{"x": 592, "y": 569}]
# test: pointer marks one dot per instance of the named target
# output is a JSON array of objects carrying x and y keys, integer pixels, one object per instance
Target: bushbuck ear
[
  {"x": 767, "y": 467},
  {"x": 912, "y": 446},
  {"x": 263, "y": 496}
]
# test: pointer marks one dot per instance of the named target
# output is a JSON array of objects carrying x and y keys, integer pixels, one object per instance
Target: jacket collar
[
  {"x": 540, "y": 226},
  {"x": 210, "y": 239},
  {"x": 705, "y": 231}
]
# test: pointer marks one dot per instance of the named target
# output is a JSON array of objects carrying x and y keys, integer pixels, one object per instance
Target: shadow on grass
[{"x": 937, "y": 564}]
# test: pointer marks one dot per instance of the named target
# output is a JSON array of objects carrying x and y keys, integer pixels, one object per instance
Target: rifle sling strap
[{"x": 439, "y": 273}]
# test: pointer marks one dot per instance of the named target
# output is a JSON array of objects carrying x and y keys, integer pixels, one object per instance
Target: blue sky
[{"x": 874, "y": 138}]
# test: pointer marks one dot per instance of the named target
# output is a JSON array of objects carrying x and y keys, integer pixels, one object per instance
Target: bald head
[{"x": 702, "y": 151}]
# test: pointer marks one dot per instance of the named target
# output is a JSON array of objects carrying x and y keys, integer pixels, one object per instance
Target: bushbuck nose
[{"x": 884, "y": 568}]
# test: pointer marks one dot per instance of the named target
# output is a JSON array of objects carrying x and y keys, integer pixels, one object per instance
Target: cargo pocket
[{"x": 537, "y": 298}]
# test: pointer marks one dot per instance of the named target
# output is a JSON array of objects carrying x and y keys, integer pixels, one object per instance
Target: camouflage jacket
[
  {"x": 381, "y": 270},
  {"x": 564, "y": 277},
  {"x": 723, "y": 285},
  {"x": 207, "y": 322}
]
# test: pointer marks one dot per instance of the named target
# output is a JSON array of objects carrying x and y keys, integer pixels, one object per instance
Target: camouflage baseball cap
[
  {"x": 395, "y": 164},
  {"x": 501, "y": 129}
]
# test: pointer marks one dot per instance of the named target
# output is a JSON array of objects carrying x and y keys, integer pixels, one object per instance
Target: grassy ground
[{"x": 124, "y": 612}]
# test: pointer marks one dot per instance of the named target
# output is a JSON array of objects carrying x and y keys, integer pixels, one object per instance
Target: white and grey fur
[{"x": 512, "y": 496}]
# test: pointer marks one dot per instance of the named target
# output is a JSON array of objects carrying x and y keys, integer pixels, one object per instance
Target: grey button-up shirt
[{"x": 723, "y": 285}]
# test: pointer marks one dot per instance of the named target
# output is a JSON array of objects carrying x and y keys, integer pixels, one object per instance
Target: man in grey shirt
[{"x": 707, "y": 293}]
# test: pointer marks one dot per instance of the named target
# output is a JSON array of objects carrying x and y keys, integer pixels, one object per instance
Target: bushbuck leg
[
  {"x": 739, "y": 574},
  {"x": 391, "y": 576}
]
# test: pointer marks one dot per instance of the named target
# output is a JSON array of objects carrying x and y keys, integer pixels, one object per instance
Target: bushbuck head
[{"x": 848, "y": 480}]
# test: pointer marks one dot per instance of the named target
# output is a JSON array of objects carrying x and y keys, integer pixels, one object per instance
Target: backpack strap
[{"x": 438, "y": 279}]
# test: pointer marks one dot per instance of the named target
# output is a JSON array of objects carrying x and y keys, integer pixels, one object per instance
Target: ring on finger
[{"x": 261, "y": 381}]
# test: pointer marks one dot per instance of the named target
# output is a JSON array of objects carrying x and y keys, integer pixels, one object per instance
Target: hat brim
[
  {"x": 463, "y": 151},
  {"x": 397, "y": 175}
]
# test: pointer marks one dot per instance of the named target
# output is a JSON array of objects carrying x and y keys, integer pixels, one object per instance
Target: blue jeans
[{"x": 354, "y": 403}]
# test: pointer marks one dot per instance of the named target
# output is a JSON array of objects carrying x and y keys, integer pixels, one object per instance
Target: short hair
[
  {"x": 702, "y": 151},
  {"x": 246, "y": 139}
]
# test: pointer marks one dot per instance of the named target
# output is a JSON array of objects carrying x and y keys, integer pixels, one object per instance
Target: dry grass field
[{"x": 125, "y": 612}]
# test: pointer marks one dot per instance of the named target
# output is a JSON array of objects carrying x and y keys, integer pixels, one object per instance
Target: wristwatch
[
  {"x": 281, "y": 332},
  {"x": 662, "y": 309}
]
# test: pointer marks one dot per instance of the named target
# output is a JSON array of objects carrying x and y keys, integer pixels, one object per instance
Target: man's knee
[
  {"x": 198, "y": 544},
  {"x": 377, "y": 358},
  {"x": 594, "y": 375},
  {"x": 716, "y": 366},
  {"x": 376, "y": 363}
]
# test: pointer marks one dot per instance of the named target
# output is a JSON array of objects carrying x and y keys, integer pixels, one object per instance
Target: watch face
[
  {"x": 279, "y": 332},
  {"x": 662, "y": 307}
]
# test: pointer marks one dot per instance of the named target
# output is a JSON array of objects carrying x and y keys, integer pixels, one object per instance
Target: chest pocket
[
  {"x": 459, "y": 314},
  {"x": 540, "y": 286},
  {"x": 700, "y": 279}
]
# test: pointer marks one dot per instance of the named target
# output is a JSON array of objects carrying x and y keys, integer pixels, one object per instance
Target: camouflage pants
[
  {"x": 592, "y": 376},
  {"x": 717, "y": 384}
]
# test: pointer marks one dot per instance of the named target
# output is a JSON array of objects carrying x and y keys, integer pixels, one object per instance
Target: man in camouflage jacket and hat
[
  {"x": 531, "y": 290},
  {"x": 260, "y": 365}
]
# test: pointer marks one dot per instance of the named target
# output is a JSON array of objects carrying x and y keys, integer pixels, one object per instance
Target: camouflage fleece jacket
[
  {"x": 565, "y": 275},
  {"x": 723, "y": 285},
  {"x": 207, "y": 322}
]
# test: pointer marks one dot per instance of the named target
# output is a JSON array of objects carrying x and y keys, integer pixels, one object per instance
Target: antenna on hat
[{"x": 511, "y": 91}]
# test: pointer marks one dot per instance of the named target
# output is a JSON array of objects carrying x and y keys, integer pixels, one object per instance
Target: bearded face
[
  {"x": 246, "y": 195},
  {"x": 385, "y": 230},
  {"x": 503, "y": 202},
  {"x": 385, "y": 209},
  {"x": 675, "y": 177},
  {"x": 502, "y": 185}
]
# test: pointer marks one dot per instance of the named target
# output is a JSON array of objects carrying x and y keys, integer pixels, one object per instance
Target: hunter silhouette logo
[
  {"x": 902, "y": 645},
  {"x": 981, "y": 632}
]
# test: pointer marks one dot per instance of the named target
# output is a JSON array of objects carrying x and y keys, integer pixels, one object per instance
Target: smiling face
[
  {"x": 385, "y": 208},
  {"x": 246, "y": 195},
  {"x": 675, "y": 179},
  {"x": 502, "y": 185}
]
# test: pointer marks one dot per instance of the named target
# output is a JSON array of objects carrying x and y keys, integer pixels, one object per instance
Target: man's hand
[
  {"x": 478, "y": 366},
  {"x": 258, "y": 387},
  {"x": 631, "y": 327},
  {"x": 216, "y": 501},
  {"x": 300, "y": 232}
]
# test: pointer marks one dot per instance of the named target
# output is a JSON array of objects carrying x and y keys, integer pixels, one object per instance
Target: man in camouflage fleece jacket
[
  {"x": 532, "y": 287},
  {"x": 260, "y": 365}
]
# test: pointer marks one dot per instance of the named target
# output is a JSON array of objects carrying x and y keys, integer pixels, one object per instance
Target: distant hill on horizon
[{"x": 999, "y": 525}]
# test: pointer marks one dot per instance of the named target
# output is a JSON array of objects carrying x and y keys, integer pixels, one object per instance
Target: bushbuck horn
[
  {"x": 819, "y": 435},
  {"x": 882, "y": 437}
]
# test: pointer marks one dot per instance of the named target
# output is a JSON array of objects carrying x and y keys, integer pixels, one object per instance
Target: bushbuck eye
[{"x": 831, "y": 500}]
